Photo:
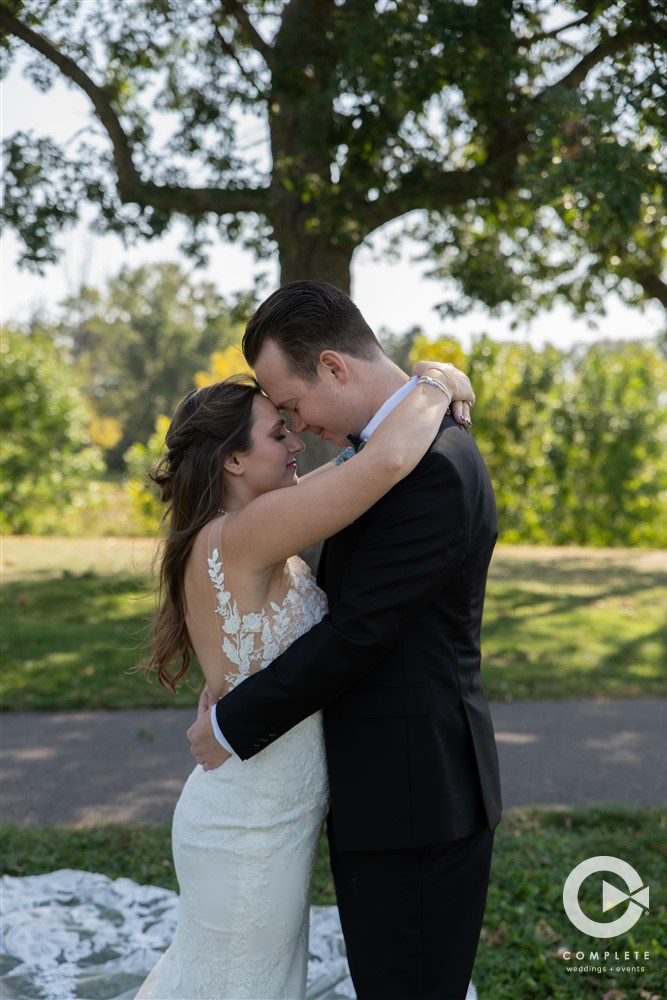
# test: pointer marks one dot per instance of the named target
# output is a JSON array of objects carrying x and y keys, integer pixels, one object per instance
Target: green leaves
[
  {"x": 41, "y": 195},
  {"x": 137, "y": 344},
  {"x": 574, "y": 442},
  {"x": 47, "y": 458},
  {"x": 529, "y": 136}
]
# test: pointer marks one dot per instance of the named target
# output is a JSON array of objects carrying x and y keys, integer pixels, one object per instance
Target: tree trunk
[
  {"x": 303, "y": 130},
  {"x": 654, "y": 287},
  {"x": 302, "y": 258}
]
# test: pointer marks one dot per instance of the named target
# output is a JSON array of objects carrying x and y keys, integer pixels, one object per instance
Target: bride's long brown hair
[{"x": 208, "y": 425}]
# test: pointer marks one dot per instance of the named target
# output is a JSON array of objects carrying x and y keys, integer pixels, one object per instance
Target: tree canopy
[{"x": 523, "y": 142}]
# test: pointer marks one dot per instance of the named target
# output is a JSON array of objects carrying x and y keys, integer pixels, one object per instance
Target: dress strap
[
  {"x": 216, "y": 572},
  {"x": 214, "y": 540}
]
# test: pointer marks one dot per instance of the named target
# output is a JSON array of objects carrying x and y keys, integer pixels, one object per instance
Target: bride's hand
[
  {"x": 206, "y": 701},
  {"x": 463, "y": 398}
]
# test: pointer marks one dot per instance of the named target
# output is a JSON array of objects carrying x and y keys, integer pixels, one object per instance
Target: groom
[{"x": 395, "y": 665}]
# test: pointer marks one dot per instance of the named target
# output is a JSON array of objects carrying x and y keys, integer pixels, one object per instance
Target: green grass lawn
[
  {"x": 575, "y": 623},
  {"x": 76, "y": 617},
  {"x": 525, "y": 929},
  {"x": 560, "y": 623}
]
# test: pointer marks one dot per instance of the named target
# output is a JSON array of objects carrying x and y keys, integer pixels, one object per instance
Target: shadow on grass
[
  {"x": 576, "y": 628},
  {"x": 70, "y": 643}
]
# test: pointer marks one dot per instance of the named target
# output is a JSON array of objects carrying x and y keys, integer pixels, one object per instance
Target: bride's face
[{"x": 270, "y": 464}]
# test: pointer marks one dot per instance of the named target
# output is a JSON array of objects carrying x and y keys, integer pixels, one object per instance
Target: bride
[{"x": 245, "y": 836}]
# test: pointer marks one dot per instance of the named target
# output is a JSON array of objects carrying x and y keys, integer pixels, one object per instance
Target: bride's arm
[
  {"x": 284, "y": 521},
  {"x": 462, "y": 396}
]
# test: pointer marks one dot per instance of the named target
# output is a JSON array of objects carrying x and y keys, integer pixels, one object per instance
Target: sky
[{"x": 393, "y": 296}]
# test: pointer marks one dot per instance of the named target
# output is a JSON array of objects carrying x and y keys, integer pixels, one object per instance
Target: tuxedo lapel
[{"x": 321, "y": 565}]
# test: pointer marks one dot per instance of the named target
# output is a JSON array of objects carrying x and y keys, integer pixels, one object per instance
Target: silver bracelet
[{"x": 425, "y": 380}]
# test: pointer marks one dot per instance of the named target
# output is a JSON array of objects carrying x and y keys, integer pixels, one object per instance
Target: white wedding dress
[{"x": 245, "y": 835}]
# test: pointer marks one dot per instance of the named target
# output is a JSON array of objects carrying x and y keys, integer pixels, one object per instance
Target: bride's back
[{"x": 239, "y": 620}]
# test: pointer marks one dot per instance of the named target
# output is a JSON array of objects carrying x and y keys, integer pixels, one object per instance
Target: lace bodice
[{"x": 251, "y": 640}]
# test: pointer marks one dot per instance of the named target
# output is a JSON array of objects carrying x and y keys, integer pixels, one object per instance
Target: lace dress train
[{"x": 245, "y": 835}]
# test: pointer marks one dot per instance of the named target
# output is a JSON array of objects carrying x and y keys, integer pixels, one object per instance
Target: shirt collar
[{"x": 387, "y": 407}]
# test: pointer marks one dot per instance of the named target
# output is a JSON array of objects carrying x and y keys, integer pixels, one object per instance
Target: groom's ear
[{"x": 333, "y": 364}]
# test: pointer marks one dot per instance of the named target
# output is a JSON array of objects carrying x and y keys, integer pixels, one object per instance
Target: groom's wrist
[{"x": 217, "y": 732}]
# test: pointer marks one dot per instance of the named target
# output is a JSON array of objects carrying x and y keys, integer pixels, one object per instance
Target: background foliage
[
  {"x": 574, "y": 441},
  {"x": 48, "y": 460},
  {"x": 137, "y": 345}
]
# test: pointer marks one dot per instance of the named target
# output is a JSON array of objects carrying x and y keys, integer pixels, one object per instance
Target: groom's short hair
[{"x": 304, "y": 318}]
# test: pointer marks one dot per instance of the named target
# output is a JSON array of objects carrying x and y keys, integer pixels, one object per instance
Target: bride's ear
[{"x": 233, "y": 465}]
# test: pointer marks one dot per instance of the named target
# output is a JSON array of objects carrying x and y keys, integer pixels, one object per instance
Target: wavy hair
[{"x": 208, "y": 425}]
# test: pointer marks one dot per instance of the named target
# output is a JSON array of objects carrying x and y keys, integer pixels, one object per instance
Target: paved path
[{"x": 83, "y": 768}]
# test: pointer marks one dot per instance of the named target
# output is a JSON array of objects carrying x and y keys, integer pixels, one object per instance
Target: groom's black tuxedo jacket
[{"x": 395, "y": 664}]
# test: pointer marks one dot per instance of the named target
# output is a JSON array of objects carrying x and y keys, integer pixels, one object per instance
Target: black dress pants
[{"x": 412, "y": 918}]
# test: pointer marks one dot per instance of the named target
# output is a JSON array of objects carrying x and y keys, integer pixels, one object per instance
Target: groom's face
[{"x": 318, "y": 408}]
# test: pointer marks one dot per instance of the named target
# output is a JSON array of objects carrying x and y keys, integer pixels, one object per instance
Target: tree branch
[
  {"x": 496, "y": 173},
  {"x": 122, "y": 154},
  {"x": 430, "y": 190},
  {"x": 554, "y": 31},
  {"x": 130, "y": 186},
  {"x": 199, "y": 201},
  {"x": 230, "y": 51},
  {"x": 570, "y": 24},
  {"x": 609, "y": 47},
  {"x": 235, "y": 9}
]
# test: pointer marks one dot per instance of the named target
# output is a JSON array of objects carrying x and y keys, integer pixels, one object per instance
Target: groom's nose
[
  {"x": 297, "y": 424},
  {"x": 296, "y": 445}
]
